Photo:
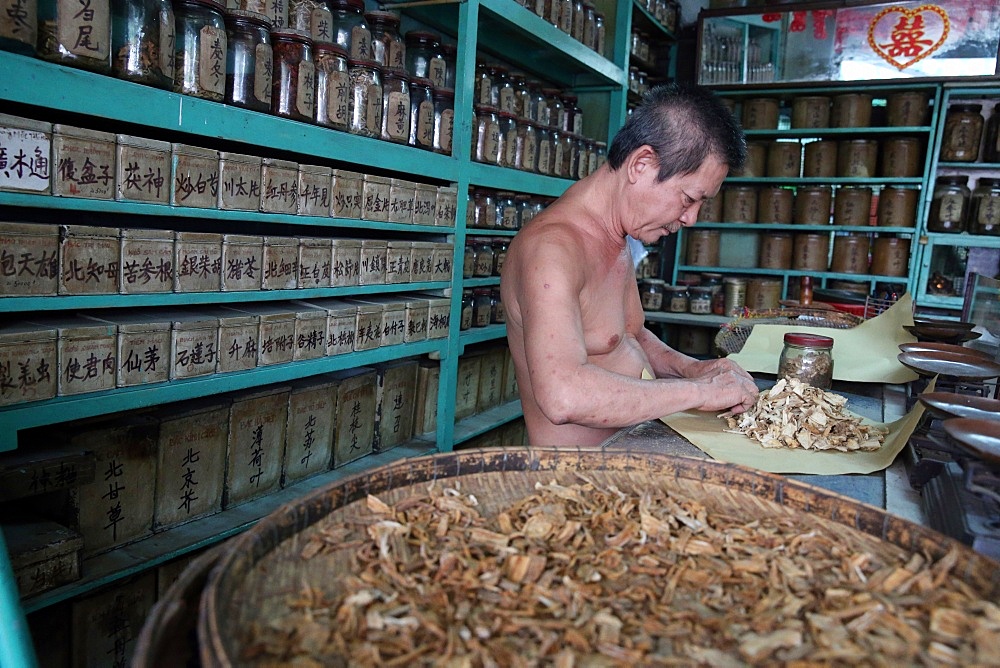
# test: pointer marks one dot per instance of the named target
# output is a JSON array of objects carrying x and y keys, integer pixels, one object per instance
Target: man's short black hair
[{"x": 684, "y": 124}]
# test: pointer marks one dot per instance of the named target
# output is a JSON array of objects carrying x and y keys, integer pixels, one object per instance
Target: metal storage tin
[
  {"x": 857, "y": 158},
  {"x": 308, "y": 450},
  {"x": 315, "y": 262},
  {"x": 280, "y": 189},
  {"x": 310, "y": 331},
  {"x": 373, "y": 262},
  {"x": 784, "y": 159},
  {"x": 424, "y": 204},
  {"x": 897, "y": 206},
  {"x": 355, "y": 421},
  {"x": 851, "y": 110},
  {"x": 890, "y": 256},
  {"x": 276, "y": 337},
  {"x": 194, "y": 349},
  {"x": 29, "y": 363},
  {"x": 197, "y": 262},
  {"x": 89, "y": 260},
  {"x": 86, "y": 352},
  {"x": 812, "y": 205},
  {"x": 28, "y": 145},
  {"x": 242, "y": 262},
  {"x": 280, "y": 263},
  {"x": 195, "y": 177},
  {"x": 142, "y": 350},
  {"x": 84, "y": 162},
  {"x": 375, "y": 198},
  {"x": 401, "y": 201},
  {"x": 395, "y": 396},
  {"x": 341, "y": 324},
  {"x": 811, "y": 252},
  {"x": 393, "y": 317},
  {"x": 147, "y": 261},
  {"x": 446, "y": 205},
  {"x": 397, "y": 261},
  {"x": 348, "y": 194},
  {"x": 421, "y": 261},
  {"x": 143, "y": 170},
  {"x": 29, "y": 259},
  {"x": 442, "y": 258},
  {"x": 315, "y": 190},
  {"x": 238, "y": 342},
  {"x": 346, "y": 262},
  {"x": 257, "y": 422},
  {"x": 240, "y": 184}
]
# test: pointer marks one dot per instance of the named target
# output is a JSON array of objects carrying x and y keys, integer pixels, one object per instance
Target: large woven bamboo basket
[{"x": 261, "y": 570}]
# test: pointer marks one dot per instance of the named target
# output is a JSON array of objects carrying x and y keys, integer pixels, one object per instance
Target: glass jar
[
  {"x": 507, "y": 149},
  {"x": 467, "y": 310},
  {"x": 19, "y": 27},
  {"x": 388, "y": 47},
  {"x": 395, "y": 125},
  {"x": 589, "y": 26},
  {"x": 422, "y": 47},
  {"x": 506, "y": 210},
  {"x": 556, "y": 156},
  {"x": 527, "y": 146},
  {"x": 486, "y": 135},
  {"x": 963, "y": 129},
  {"x": 566, "y": 117},
  {"x": 807, "y": 357},
  {"x": 312, "y": 16},
  {"x": 600, "y": 155},
  {"x": 676, "y": 299},
  {"x": 349, "y": 29},
  {"x": 651, "y": 293},
  {"x": 984, "y": 211},
  {"x": 537, "y": 109},
  {"x": 565, "y": 15},
  {"x": 249, "y": 60},
  {"x": 450, "y": 54},
  {"x": 555, "y": 107},
  {"x": 482, "y": 84},
  {"x": 554, "y": 9},
  {"x": 578, "y": 19},
  {"x": 485, "y": 211},
  {"x": 484, "y": 258},
  {"x": 142, "y": 32},
  {"x": 701, "y": 300},
  {"x": 523, "y": 205},
  {"x": 499, "y": 313},
  {"x": 482, "y": 307},
  {"x": 293, "y": 87},
  {"x": 500, "y": 250},
  {"x": 365, "y": 108},
  {"x": 444, "y": 120},
  {"x": 200, "y": 49},
  {"x": 521, "y": 99},
  {"x": 569, "y": 149},
  {"x": 333, "y": 86},
  {"x": 949, "y": 204},
  {"x": 79, "y": 35},
  {"x": 991, "y": 150},
  {"x": 422, "y": 114},
  {"x": 503, "y": 96},
  {"x": 469, "y": 258},
  {"x": 599, "y": 32}
]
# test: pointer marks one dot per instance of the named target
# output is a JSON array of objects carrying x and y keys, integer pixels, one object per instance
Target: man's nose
[{"x": 690, "y": 215}]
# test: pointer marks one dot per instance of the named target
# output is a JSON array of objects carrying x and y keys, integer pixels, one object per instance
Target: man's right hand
[{"x": 727, "y": 389}]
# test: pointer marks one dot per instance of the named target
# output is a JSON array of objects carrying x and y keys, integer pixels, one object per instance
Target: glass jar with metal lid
[
  {"x": 312, "y": 16},
  {"x": 484, "y": 258},
  {"x": 555, "y": 106},
  {"x": 807, "y": 357},
  {"x": 365, "y": 109},
  {"x": 486, "y": 135},
  {"x": 537, "y": 109},
  {"x": 506, "y": 210},
  {"x": 293, "y": 86},
  {"x": 600, "y": 155},
  {"x": 545, "y": 146},
  {"x": 503, "y": 94},
  {"x": 468, "y": 306},
  {"x": 583, "y": 164},
  {"x": 200, "y": 49},
  {"x": 349, "y": 28},
  {"x": 142, "y": 33},
  {"x": 521, "y": 100},
  {"x": 984, "y": 212},
  {"x": 569, "y": 150},
  {"x": 388, "y": 47},
  {"x": 422, "y": 114},
  {"x": 444, "y": 119},
  {"x": 500, "y": 246},
  {"x": 499, "y": 313},
  {"x": 485, "y": 208},
  {"x": 333, "y": 86},
  {"x": 963, "y": 130},
  {"x": 701, "y": 299},
  {"x": 249, "y": 61},
  {"x": 949, "y": 204},
  {"x": 556, "y": 157},
  {"x": 482, "y": 307},
  {"x": 577, "y": 21},
  {"x": 651, "y": 293},
  {"x": 599, "y": 32},
  {"x": 991, "y": 148},
  {"x": 79, "y": 35},
  {"x": 421, "y": 48},
  {"x": 482, "y": 83},
  {"x": 396, "y": 107},
  {"x": 507, "y": 150},
  {"x": 675, "y": 298}
]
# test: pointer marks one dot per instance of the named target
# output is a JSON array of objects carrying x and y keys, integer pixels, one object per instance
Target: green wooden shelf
[
  {"x": 475, "y": 335},
  {"x": 767, "y": 227},
  {"x": 171, "y": 543},
  {"x": 795, "y": 272},
  {"x": 690, "y": 319},
  {"x": 49, "y": 86},
  {"x": 992, "y": 166},
  {"x": 68, "y": 302},
  {"x": 484, "y": 282},
  {"x": 809, "y": 133},
  {"x": 165, "y": 210},
  {"x": 480, "y": 423},
  {"x": 963, "y": 239},
  {"x": 942, "y": 301},
  {"x": 826, "y": 180},
  {"x": 651, "y": 22},
  {"x": 62, "y": 409},
  {"x": 505, "y": 178}
]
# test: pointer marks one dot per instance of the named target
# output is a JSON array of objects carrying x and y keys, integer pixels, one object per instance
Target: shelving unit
[
  {"x": 942, "y": 252},
  {"x": 745, "y": 231},
  {"x": 45, "y": 91}
]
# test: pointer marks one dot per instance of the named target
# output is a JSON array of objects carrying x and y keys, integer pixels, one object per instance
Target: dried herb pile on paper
[
  {"x": 584, "y": 575},
  {"x": 793, "y": 414}
]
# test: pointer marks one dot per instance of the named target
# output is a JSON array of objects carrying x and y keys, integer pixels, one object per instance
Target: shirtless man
[{"x": 574, "y": 319}]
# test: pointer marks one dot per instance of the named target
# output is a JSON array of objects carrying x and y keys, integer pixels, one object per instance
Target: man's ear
[{"x": 642, "y": 162}]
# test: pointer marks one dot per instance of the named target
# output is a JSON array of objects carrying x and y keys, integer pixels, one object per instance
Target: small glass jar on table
[
  {"x": 365, "y": 109},
  {"x": 333, "y": 86},
  {"x": 293, "y": 86},
  {"x": 807, "y": 357},
  {"x": 249, "y": 60},
  {"x": 200, "y": 49},
  {"x": 142, "y": 41}
]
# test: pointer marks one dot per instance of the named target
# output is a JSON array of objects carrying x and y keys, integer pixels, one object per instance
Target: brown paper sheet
[{"x": 865, "y": 354}]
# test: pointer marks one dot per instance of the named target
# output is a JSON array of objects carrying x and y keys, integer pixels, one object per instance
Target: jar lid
[
  {"x": 330, "y": 47},
  {"x": 364, "y": 62},
  {"x": 987, "y": 181},
  {"x": 553, "y": 92},
  {"x": 702, "y": 289},
  {"x": 966, "y": 107},
  {"x": 954, "y": 179},
  {"x": 809, "y": 340},
  {"x": 382, "y": 16},
  {"x": 506, "y": 114},
  {"x": 444, "y": 93},
  {"x": 500, "y": 242},
  {"x": 358, "y": 5},
  {"x": 485, "y": 108},
  {"x": 422, "y": 82},
  {"x": 422, "y": 37},
  {"x": 656, "y": 281},
  {"x": 675, "y": 288},
  {"x": 214, "y": 4},
  {"x": 395, "y": 73},
  {"x": 449, "y": 49},
  {"x": 293, "y": 34},
  {"x": 566, "y": 97},
  {"x": 505, "y": 193},
  {"x": 253, "y": 17}
]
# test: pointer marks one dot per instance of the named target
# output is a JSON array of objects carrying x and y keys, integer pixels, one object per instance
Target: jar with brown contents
[
  {"x": 79, "y": 35},
  {"x": 333, "y": 86},
  {"x": 739, "y": 204},
  {"x": 890, "y": 256},
  {"x": 811, "y": 252},
  {"x": 852, "y": 205},
  {"x": 949, "y": 205},
  {"x": 811, "y": 111},
  {"x": 703, "y": 247},
  {"x": 760, "y": 113},
  {"x": 784, "y": 159},
  {"x": 850, "y": 254},
  {"x": 142, "y": 41},
  {"x": 852, "y": 110},
  {"x": 422, "y": 114},
  {"x": 812, "y": 205},
  {"x": 775, "y": 205},
  {"x": 901, "y": 157},
  {"x": 897, "y": 206},
  {"x": 775, "y": 251},
  {"x": 984, "y": 213},
  {"x": 807, "y": 357},
  {"x": 857, "y": 158},
  {"x": 293, "y": 89},
  {"x": 365, "y": 109},
  {"x": 963, "y": 130},
  {"x": 200, "y": 49},
  {"x": 907, "y": 108},
  {"x": 820, "y": 159}
]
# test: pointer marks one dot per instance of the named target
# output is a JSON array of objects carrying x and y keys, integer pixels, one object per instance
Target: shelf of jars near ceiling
[
  {"x": 963, "y": 211},
  {"x": 831, "y": 189},
  {"x": 652, "y": 46}
]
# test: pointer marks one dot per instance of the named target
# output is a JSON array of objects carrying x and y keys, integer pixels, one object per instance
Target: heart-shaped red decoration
[{"x": 903, "y": 36}]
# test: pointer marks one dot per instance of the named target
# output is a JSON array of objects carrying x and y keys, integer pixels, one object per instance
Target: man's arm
[{"x": 670, "y": 363}]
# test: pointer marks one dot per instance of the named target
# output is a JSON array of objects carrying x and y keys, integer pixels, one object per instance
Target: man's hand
[
  {"x": 704, "y": 367},
  {"x": 726, "y": 387}
]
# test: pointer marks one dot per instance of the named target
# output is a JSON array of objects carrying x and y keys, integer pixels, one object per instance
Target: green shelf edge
[
  {"x": 505, "y": 178},
  {"x": 28, "y": 200},
  {"x": 938, "y": 301},
  {"x": 480, "y": 423},
  {"x": 794, "y": 272},
  {"x": 807, "y": 133},
  {"x": 826, "y": 180},
  {"x": 780, "y": 227},
  {"x": 47, "y": 85},
  {"x": 475, "y": 335},
  {"x": 62, "y": 409},
  {"x": 483, "y": 282},
  {"x": 964, "y": 239},
  {"x": 969, "y": 165},
  {"x": 691, "y": 319}
]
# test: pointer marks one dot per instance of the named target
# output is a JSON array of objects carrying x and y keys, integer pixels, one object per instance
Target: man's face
[{"x": 674, "y": 203}]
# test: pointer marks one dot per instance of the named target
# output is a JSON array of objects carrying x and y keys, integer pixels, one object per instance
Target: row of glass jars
[
  {"x": 666, "y": 12},
  {"x": 502, "y": 139},
  {"x": 503, "y": 209},
  {"x": 962, "y": 140},
  {"x": 908, "y": 108},
  {"x": 896, "y": 157},
  {"x": 637, "y": 80},
  {"x": 656, "y": 295},
  {"x": 484, "y": 256},
  {"x": 482, "y": 307},
  {"x": 510, "y": 92},
  {"x": 577, "y": 18},
  {"x": 955, "y": 208}
]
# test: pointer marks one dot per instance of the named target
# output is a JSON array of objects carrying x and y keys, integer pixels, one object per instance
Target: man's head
[{"x": 684, "y": 125}]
